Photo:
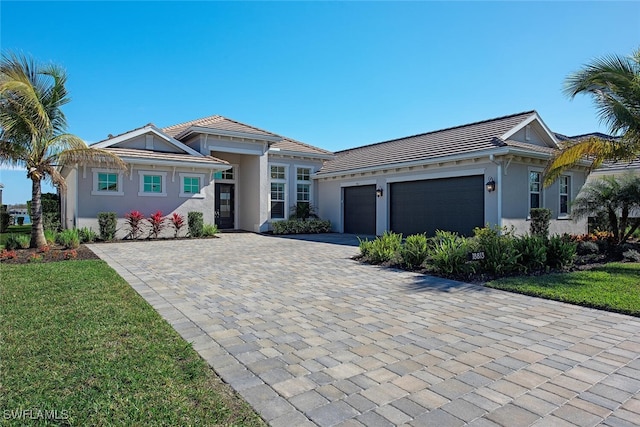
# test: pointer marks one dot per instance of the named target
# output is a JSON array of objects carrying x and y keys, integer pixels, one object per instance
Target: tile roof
[
  {"x": 441, "y": 143},
  {"x": 215, "y": 122},
  {"x": 288, "y": 144},
  {"x": 161, "y": 156}
]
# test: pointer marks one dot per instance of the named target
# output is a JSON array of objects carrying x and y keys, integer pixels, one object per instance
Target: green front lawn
[
  {"x": 75, "y": 338},
  {"x": 613, "y": 287}
]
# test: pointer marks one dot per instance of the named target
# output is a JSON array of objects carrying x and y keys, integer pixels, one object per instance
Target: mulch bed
[{"x": 52, "y": 254}]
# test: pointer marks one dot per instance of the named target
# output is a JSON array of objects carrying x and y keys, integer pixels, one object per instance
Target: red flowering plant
[
  {"x": 157, "y": 222},
  {"x": 71, "y": 254},
  {"x": 44, "y": 249},
  {"x": 5, "y": 254},
  {"x": 177, "y": 222},
  {"x": 134, "y": 221}
]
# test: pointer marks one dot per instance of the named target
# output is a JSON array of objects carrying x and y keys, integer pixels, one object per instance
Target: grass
[
  {"x": 613, "y": 287},
  {"x": 14, "y": 229},
  {"x": 77, "y": 339}
]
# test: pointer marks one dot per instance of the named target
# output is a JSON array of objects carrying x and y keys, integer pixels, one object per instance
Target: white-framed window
[
  {"x": 565, "y": 194},
  {"x": 303, "y": 185},
  {"x": 278, "y": 193},
  {"x": 228, "y": 174},
  {"x": 152, "y": 184},
  {"x": 535, "y": 189},
  {"x": 191, "y": 185},
  {"x": 107, "y": 183}
]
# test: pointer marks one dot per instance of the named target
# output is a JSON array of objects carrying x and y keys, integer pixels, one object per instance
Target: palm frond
[{"x": 91, "y": 157}]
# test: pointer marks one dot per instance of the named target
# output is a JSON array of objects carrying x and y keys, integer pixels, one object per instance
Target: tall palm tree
[
  {"x": 32, "y": 129},
  {"x": 614, "y": 84}
]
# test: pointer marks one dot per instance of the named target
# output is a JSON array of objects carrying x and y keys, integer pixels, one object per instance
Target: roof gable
[
  {"x": 537, "y": 126},
  {"x": 122, "y": 139}
]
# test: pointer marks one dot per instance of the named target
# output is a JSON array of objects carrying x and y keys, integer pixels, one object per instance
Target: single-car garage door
[
  {"x": 360, "y": 209},
  {"x": 451, "y": 204}
]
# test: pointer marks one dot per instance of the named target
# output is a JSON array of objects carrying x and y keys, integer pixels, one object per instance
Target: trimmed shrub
[
  {"x": 20, "y": 220},
  {"x": 414, "y": 250},
  {"x": 385, "y": 248},
  {"x": 87, "y": 235},
  {"x": 17, "y": 241},
  {"x": 209, "y": 230},
  {"x": 299, "y": 226},
  {"x": 587, "y": 248},
  {"x": 500, "y": 254},
  {"x": 561, "y": 251},
  {"x": 134, "y": 221},
  {"x": 107, "y": 224},
  {"x": 365, "y": 247},
  {"x": 68, "y": 238},
  {"x": 448, "y": 253},
  {"x": 5, "y": 220},
  {"x": 540, "y": 218},
  {"x": 533, "y": 253},
  {"x": 195, "y": 224},
  {"x": 51, "y": 221}
]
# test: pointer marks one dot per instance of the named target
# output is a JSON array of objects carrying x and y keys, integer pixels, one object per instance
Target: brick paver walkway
[{"x": 308, "y": 336}]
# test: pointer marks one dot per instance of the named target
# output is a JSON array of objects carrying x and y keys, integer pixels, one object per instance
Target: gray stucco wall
[
  {"x": 90, "y": 205},
  {"x": 516, "y": 207}
]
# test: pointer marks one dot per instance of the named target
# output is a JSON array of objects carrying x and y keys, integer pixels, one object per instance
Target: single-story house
[{"x": 243, "y": 177}]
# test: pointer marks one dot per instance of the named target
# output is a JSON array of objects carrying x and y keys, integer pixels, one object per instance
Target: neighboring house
[
  {"x": 242, "y": 177},
  {"x": 454, "y": 179},
  {"x": 239, "y": 176}
]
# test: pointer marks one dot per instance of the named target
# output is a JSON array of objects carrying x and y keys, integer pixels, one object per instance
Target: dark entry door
[
  {"x": 225, "y": 213},
  {"x": 360, "y": 210}
]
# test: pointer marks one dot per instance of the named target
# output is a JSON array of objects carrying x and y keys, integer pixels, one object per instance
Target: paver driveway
[{"x": 306, "y": 335}]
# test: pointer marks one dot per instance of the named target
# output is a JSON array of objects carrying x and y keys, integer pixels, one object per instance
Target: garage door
[
  {"x": 360, "y": 209},
  {"x": 451, "y": 204}
]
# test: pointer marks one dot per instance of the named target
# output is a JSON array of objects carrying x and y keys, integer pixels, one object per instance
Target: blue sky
[{"x": 331, "y": 74}]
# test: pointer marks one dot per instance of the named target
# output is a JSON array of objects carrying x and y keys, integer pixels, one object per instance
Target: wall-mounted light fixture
[
  {"x": 379, "y": 192},
  {"x": 491, "y": 185}
]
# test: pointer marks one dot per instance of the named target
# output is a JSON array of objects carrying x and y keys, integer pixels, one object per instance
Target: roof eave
[
  {"x": 221, "y": 132},
  {"x": 175, "y": 163},
  {"x": 277, "y": 151}
]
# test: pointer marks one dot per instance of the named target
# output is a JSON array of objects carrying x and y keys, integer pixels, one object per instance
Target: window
[
  {"x": 303, "y": 174},
  {"x": 302, "y": 194},
  {"x": 277, "y": 172},
  {"x": 303, "y": 185},
  {"x": 152, "y": 183},
  {"x": 535, "y": 186},
  {"x": 565, "y": 190},
  {"x": 107, "y": 183},
  {"x": 277, "y": 200},
  {"x": 278, "y": 191},
  {"x": 228, "y": 174},
  {"x": 191, "y": 185}
]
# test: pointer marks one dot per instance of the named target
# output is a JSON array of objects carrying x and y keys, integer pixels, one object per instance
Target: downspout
[
  {"x": 75, "y": 210},
  {"x": 499, "y": 186}
]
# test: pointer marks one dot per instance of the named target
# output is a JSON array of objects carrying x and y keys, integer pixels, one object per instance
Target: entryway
[{"x": 225, "y": 206}]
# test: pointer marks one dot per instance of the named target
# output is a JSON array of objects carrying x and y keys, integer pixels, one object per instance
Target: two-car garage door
[{"x": 452, "y": 204}]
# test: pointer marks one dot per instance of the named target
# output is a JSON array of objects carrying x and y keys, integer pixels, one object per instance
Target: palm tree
[
  {"x": 32, "y": 129},
  {"x": 614, "y": 84},
  {"x": 613, "y": 197}
]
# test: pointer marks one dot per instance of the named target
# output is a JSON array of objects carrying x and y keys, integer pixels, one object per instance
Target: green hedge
[{"x": 298, "y": 226}]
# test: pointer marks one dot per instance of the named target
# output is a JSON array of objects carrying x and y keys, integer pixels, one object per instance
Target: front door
[{"x": 225, "y": 212}]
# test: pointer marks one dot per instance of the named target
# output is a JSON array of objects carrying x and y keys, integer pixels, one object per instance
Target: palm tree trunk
[{"x": 37, "y": 228}]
